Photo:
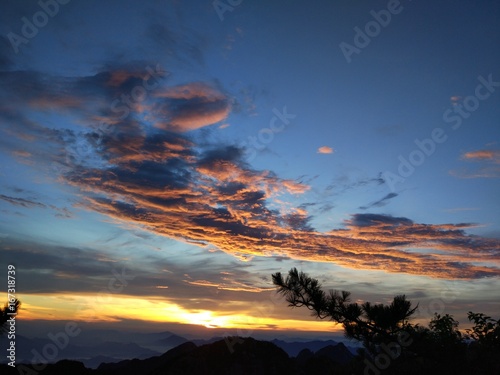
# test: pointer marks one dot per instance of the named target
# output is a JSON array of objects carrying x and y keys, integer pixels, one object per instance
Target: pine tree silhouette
[
  {"x": 4, "y": 314},
  {"x": 372, "y": 324}
]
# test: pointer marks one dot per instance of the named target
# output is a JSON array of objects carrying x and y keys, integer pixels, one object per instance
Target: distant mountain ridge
[
  {"x": 246, "y": 356},
  {"x": 91, "y": 355},
  {"x": 295, "y": 347}
]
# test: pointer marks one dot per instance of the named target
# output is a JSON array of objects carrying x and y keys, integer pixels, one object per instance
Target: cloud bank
[{"x": 145, "y": 169}]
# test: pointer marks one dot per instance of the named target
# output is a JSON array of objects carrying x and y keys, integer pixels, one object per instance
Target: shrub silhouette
[
  {"x": 485, "y": 346},
  {"x": 439, "y": 348}
]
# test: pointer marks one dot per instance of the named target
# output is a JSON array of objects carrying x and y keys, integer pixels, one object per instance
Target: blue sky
[{"x": 203, "y": 147}]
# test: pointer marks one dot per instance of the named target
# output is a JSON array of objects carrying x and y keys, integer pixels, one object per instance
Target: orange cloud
[
  {"x": 229, "y": 284},
  {"x": 21, "y": 153},
  {"x": 493, "y": 155},
  {"x": 325, "y": 150},
  {"x": 191, "y": 106},
  {"x": 487, "y": 165},
  {"x": 214, "y": 198}
]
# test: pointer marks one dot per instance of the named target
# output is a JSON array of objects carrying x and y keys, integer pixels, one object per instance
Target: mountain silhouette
[
  {"x": 246, "y": 356},
  {"x": 337, "y": 353},
  {"x": 294, "y": 348},
  {"x": 146, "y": 366}
]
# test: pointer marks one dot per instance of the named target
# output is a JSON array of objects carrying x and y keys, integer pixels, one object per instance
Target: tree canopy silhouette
[{"x": 373, "y": 324}]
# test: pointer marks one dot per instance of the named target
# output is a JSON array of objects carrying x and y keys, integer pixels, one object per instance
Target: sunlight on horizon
[{"x": 91, "y": 308}]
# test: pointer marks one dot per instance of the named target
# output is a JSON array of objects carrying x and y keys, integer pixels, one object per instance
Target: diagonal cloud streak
[{"x": 381, "y": 202}]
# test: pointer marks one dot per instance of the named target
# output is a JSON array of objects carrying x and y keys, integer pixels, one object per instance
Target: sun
[{"x": 207, "y": 319}]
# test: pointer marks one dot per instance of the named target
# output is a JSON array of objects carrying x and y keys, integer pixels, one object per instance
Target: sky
[{"x": 159, "y": 160}]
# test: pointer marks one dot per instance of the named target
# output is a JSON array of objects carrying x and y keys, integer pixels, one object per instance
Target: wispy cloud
[
  {"x": 490, "y": 155},
  {"x": 22, "y": 202},
  {"x": 487, "y": 165},
  {"x": 345, "y": 183},
  {"x": 379, "y": 203},
  {"x": 460, "y": 209}
]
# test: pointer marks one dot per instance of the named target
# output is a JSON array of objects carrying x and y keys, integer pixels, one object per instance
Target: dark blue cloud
[
  {"x": 367, "y": 220},
  {"x": 381, "y": 202}
]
